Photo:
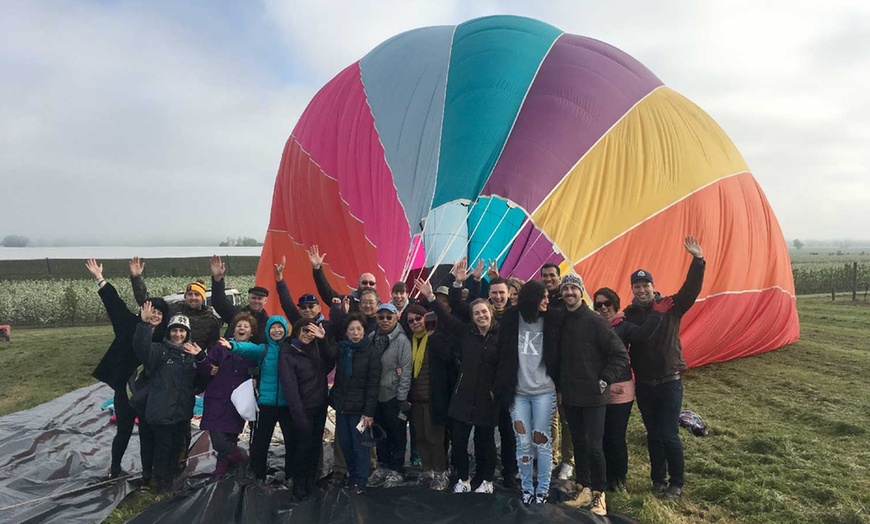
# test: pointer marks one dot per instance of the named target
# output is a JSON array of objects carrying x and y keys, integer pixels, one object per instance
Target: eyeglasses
[
  {"x": 606, "y": 303},
  {"x": 416, "y": 318},
  {"x": 368, "y": 303},
  {"x": 368, "y": 283},
  {"x": 307, "y": 306},
  {"x": 385, "y": 317}
]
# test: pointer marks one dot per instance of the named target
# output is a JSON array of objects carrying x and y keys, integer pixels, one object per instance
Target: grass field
[{"x": 789, "y": 429}]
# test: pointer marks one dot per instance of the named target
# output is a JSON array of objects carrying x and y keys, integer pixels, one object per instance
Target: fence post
[
  {"x": 833, "y": 294},
  {"x": 48, "y": 266},
  {"x": 854, "y": 281}
]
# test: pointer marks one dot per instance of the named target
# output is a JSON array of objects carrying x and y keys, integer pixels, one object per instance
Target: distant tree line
[
  {"x": 14, "y": 241},
  {"x": 240, "y": 242}
]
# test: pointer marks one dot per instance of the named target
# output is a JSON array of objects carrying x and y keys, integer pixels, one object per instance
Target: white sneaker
[
  {"x": 462, "y": 486},
  {"x": 566, "y": 471},
  {"x": 485, "y": 487}
]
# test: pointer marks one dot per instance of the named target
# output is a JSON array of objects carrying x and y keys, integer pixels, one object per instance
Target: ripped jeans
[{"x": 532, "y": 416}]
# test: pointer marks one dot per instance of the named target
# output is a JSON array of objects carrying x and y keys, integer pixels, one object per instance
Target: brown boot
[
  {"x": 582, "y": 500},
  {"x": 599, "y": 505}
]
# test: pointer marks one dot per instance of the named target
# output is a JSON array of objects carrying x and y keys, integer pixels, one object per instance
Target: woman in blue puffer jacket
[{"x": 273, "y": 406}]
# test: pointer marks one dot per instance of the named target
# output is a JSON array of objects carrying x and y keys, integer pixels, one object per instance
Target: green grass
[{"x": 790, "y": 429}]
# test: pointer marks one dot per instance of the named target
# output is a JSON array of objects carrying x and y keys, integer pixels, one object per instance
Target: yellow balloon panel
[{"x": 663, "y": 150}]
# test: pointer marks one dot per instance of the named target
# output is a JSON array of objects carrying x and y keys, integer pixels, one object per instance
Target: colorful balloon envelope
[{"x": 506, "y": 139}]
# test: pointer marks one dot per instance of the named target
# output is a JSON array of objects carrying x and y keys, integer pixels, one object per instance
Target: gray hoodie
[{"x": 395, "y": 366}]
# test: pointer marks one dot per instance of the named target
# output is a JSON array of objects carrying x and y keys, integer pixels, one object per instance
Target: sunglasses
[
  {"x": 606, "y": 303},
  {"x": 368, "y": 283},
  {"x": 307, "y": 306},
  {"x": 385, "y": 317},
  {"x": 416, "y": 318}
]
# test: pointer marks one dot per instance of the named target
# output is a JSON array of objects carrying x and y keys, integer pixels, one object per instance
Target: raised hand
[
  {"x": 693, "y": 247},
  {"x": 345, "y": 304},
  {"x": 664, "y": 305},
  {"x": 279, "y": 269},
  {"x": 425, "y": 288},
  {"x": 316, "y": 330},
  {"x": 95, "y": 268},
  {"x": 192, "y": 349},
  {"x": 314, "y": 257},
  {"x": 218, "y": 268},
  {"x": 225, "y": 343},
  {"x": 492, "y": 270},
  {"x": 136, "y": 267},
  {"x": 146, "y": 311},
  {"x": 477, "y": 272},
  {"x": 461, "y": 270}
]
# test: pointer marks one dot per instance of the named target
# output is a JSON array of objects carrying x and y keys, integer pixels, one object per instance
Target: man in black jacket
[
  {"x": 657, "y": 363},
  {"x": 591, "y": 358},
  {"x": 324, "y": 289}
]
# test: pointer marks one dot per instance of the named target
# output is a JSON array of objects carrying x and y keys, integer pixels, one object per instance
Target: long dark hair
[{"x": 529, "y": 300}]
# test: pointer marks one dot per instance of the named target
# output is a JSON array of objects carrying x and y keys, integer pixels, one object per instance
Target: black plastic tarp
[{"x": 232, "y": 501}]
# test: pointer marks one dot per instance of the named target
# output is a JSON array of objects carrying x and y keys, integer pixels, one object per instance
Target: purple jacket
[{"x": 218, "y": 412}]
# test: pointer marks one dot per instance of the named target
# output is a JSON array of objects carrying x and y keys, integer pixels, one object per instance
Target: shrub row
[
  {"x": 812, "y": 279},
  {"x": 156, "y": 267},
  {"x": 70, "y": 302}
]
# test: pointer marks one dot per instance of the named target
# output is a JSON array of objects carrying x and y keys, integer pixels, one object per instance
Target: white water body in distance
[{"x": 124, "y": 252}]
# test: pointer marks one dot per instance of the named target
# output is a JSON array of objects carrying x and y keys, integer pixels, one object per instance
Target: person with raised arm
[
  {"x": 657, "y": 363},
  {"x": 118, "y": 364},
  {"x": 171, "y": 368},
  {"x": 472, "y": 406},
  {"x": 324, "y": 289}
]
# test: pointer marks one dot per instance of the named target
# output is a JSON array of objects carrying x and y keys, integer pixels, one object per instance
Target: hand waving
[
  {"x": 315, "y": 257},
  {"x": 693, "y": 247},
  {"x": 136, "y": 267}
]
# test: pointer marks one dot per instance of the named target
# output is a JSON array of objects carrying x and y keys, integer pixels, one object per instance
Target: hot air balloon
[{"x": 505, "y": 138}]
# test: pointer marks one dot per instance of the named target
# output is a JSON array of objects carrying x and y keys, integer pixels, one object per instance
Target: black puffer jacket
[
  {"x": 630, "y": 334},
  {"x": 120, "y": 361},
  {"x": 302, "y": 370},
  {"x": 357, "y": 393},
  {"x": 662, "y": 354},
  {"x": 508, "y": 354},
  {"x": 589, "y": 351},
  {"x": 473, "y": 400},
  {"x": 205, "y": 326},
  {"x": 172, "y": 377}
]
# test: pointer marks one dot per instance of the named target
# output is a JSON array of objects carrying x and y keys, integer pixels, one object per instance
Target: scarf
[
  {"x": 418, "y": 350},
  {"x": 348, "y": 347}
]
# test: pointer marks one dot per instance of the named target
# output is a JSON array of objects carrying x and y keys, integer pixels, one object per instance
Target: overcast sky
[{"x": 113, "y": 114}]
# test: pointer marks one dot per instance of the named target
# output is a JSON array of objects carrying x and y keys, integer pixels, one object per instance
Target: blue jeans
[
  {"x": 660, "y": 409},
  {"x": 356, "y": 456},
  {"x": 535, "y": 414}
]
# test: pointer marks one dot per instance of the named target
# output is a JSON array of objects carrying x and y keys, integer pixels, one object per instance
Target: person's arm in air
[
  {"x": 226, "y": 310},
  {"x": 149, "y": 353},
  {"x": 140, "y": 291},
  {"x": 284, "y": 297},
  {"x": 685, "y": 298},
  {"x": 324, "y": 288},
  {"x": 120, "y": 317}
]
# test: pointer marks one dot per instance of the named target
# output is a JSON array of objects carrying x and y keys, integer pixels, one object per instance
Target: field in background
[
  {"x": 155, "y": 267},
  {"x": 789, "y": 429}
]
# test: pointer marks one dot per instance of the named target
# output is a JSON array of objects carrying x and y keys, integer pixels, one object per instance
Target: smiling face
[
  {"x": 551, "y": 279},
  {"x": 604, "y": 306},
  {"x": 481, "y": 316},
  {"x": 256, "y": 303},
  {"x": 243, "y": 331},
  {"x": 368, "y": 304},
  {"x": 306, "y": 335},
  {"x": 193, "y": 300},
  {"x": 415, "y": 322},
  {"x": 400, "y": 298},
  {"x": 177, "y": 335},
  {"x": 309, "y": 310},
  {"x": 514, "y": 296},
  {"x": 277, "y": 331},
  {"x": 498, "y": 295},
  {"x": 643, "y": 291},
  {"x": 572, "y": 297},
  {"x": 544, "y": 304},
  {"x": 367, "y": 281},
  {"x": 156, "y": 317},
  {"x": 355, "y": 331}
]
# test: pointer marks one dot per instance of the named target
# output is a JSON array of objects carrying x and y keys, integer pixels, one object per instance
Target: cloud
[{"x": 178, "y": 112}]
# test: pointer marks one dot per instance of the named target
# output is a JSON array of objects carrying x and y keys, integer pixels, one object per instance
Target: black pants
[
  {"x": 508, "y": 444},
  {"x": 269, "y": 416},
  {"x": 391, "y": 450},
  {"x": 223, "y": 443},
  {"x": 125, "y": 419},
  {"x": 660, "y": 408},
  {"x": 484, "y": 450},
  {"x": 587, "y": 433},
  {"x": 615, "y": 449},
  {"x": 304, "y": 446},
  {"x": 146, "y": 449},
  {"x": 169, "y": 440}
]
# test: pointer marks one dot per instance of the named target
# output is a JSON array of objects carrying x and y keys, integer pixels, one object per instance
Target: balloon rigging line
[{"x": 492, "y": 234}]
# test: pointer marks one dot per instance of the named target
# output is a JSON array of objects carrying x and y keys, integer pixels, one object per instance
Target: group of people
[{"x": 556, "y": 377}]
